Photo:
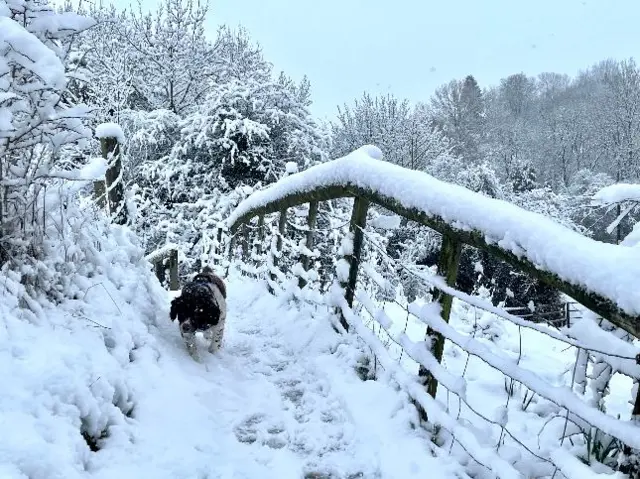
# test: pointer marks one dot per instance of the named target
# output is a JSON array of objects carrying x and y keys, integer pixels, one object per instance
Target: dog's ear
[{"x": 176, "y": 304}]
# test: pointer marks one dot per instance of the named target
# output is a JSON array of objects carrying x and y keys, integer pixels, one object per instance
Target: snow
[
  {"x": 617, "y": 194},
  {"x": 55, "y": 24},
  {"x": 386, "y": 222},
  {"x": 23, "y": 48},
  {"x": 281, "y": 399},
  {"x": 162, "y": 251},
  {"x": 606, "y": 269},
  {"x": 110, "y": 130},
  {"x": 291, "y": 167}
]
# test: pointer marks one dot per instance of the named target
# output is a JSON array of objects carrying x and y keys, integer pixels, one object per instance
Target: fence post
[
  {"x": 282, "y": 223},
  {"x": 173, "y": 270},
  {"x": 232, "y": 245},
  {"x": 356, "y": 228},
  {"x": 245, "y": 242},
  {"x": 100, "y": 193},
  {"x": 112, "y": 187},
  {"x": 218, "y": 250},
  {"x": 448, "y": 268},
  {"x": 260, "y": 236},
  {"x": 158, "y": 267},
  {"x": 311, "y": 225}
]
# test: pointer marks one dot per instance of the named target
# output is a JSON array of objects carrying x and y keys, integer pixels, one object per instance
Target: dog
[{"x": 202, "y": 306}]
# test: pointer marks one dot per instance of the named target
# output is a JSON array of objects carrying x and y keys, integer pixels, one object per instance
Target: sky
[{"x": 410, "y": 47}]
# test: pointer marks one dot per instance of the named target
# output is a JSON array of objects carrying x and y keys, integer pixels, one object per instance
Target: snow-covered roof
[{"x": 609, "y": 270}]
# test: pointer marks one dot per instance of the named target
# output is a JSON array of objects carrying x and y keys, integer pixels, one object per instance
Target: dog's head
[{"x": 208, "y": 275}]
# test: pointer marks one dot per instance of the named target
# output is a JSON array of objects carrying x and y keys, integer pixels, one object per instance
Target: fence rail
[
  {"x": 287, "y": 260},
  {"x": 556, "y": 316}
]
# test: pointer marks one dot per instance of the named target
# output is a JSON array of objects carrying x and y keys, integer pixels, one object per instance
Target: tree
[
  {"x": 236, "y": 58},
  {"x": 177, "y": 62},
  {"x": 623, "y": 93},
  {"x": 458, "y": 108},
  {"x": 405, "y": 135}
]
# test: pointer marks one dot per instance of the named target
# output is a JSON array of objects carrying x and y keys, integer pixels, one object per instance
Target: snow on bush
[
  {"x": 75, "y": 323},
  {"x": 41, "y": 129}
]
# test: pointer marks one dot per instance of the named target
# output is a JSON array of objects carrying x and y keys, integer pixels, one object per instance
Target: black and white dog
[{"x": 202, "y": 306}]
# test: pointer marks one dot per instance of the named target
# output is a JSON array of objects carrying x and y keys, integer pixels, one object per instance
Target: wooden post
[
  {"x": 260, "y": 236},
  {"x": 219, "y": 239},
  {"x": 448, "y": 268},
  {"x": 115, "y": 192},
  {"x": 218, "y": 250},
  {"x": 282, "y": 229},
  {"x": 311, "y": 225},
  {"x": 173, "y": 270},
  {"x": 158, "y": 266},
  {"x": 245, "y": 242},
  {"x": 282, "y": 223},
  {"x": 232, "y": 245},
  {"x": 100, "y": 193},
  {"x": 356, "y": 227}
]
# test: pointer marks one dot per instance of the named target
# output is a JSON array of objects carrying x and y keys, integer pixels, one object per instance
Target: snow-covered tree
[
  {"x": 406, "y": 135},
  {"x": 458, "y": 108},
  {"x": 38, "y": 123},
  {"x": 176, "y": 62}
]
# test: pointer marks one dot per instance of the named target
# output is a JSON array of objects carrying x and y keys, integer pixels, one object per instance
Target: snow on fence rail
[
  {"x": 166, "y": 257},
  {"x": 597, "y": 275},
  {"x": 600, "y": 276}
]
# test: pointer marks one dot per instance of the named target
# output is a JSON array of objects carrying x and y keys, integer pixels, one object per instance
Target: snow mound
[
  {"x": 605, "y": 269},
  {"x": 71, "y": 355},
  {"x": 371, "y": 151}
]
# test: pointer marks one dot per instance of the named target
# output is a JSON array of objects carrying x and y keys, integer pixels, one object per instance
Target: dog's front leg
[
  {"x": 214, "y": 336},
  {"x": 189, "y": 337}
]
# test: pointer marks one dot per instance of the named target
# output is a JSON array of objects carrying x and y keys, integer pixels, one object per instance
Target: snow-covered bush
[{"x": 39, "y": 129}]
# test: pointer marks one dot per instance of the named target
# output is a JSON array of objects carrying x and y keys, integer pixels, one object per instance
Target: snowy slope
[{"x": 281, "y": 400}]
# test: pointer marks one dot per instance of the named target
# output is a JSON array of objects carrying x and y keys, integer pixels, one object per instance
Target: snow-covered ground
[
  {"x": 281, "y": 400},
  {"x": 535, "y": 422}
]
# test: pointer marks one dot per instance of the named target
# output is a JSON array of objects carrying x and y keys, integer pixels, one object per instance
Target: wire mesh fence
[{"x": 521, "y": 394}]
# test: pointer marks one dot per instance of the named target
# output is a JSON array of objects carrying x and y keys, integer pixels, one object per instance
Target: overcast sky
[{"x": 410, "y": 47}]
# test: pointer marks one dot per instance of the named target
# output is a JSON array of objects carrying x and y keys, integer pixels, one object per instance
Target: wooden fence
[
  {"x": 165, "y": 259},
  {"x": 261, "y": 255}
]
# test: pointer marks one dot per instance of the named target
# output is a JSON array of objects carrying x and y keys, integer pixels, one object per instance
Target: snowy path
[{"x": 281, "y": 400}]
